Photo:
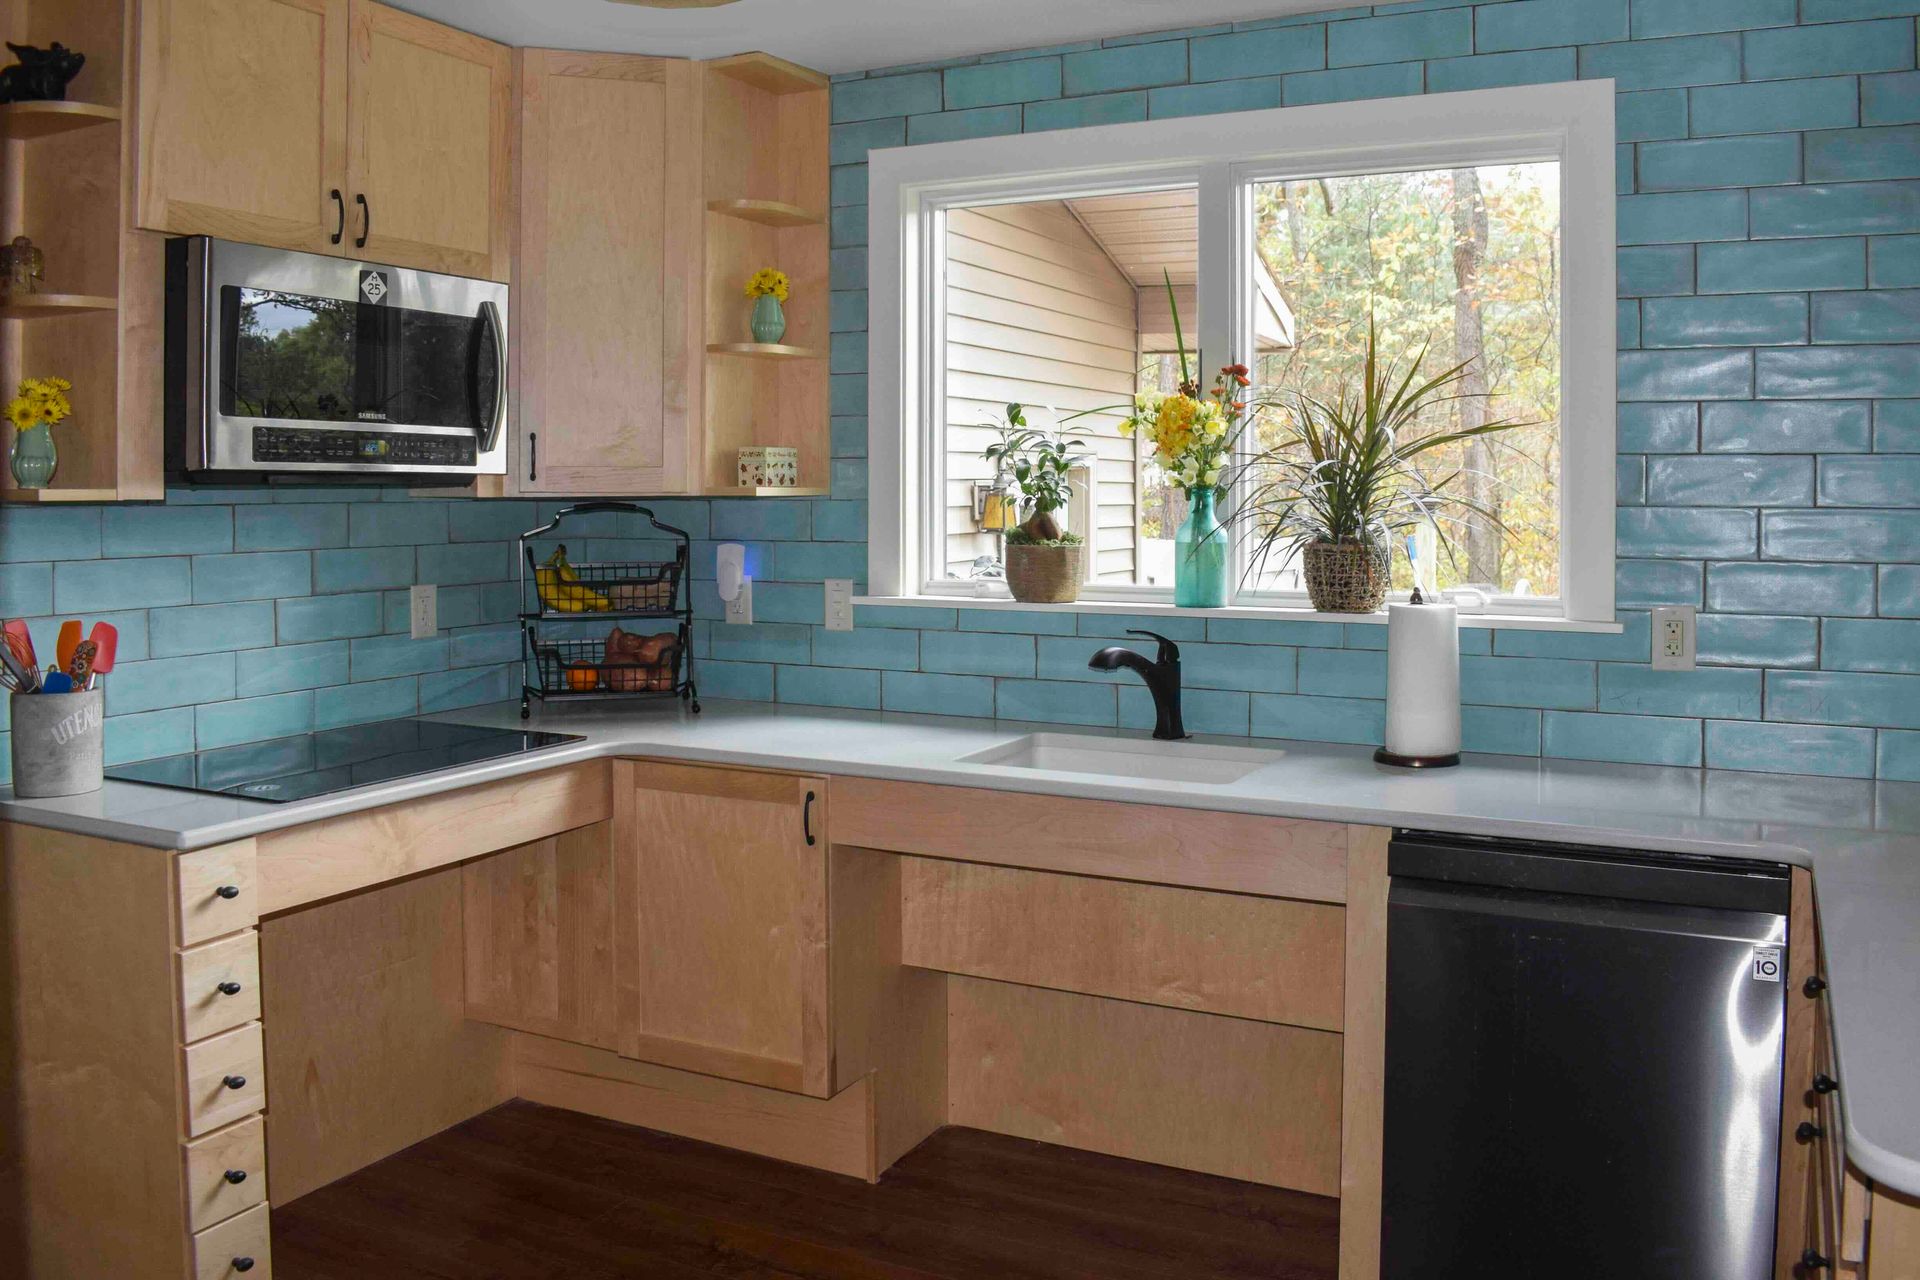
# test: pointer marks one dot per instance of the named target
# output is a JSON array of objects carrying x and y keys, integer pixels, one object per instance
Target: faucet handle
[{"x": 1169, "y": 651}]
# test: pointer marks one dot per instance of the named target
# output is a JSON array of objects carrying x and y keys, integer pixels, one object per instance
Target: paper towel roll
[{"x": 1423, "y": 682}]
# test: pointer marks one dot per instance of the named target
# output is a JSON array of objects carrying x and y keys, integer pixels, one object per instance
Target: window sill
[{"x": 1148, "y": 609}]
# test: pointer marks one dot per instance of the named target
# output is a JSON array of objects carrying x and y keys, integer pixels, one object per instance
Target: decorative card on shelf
[{"x": 769, "y": 467}]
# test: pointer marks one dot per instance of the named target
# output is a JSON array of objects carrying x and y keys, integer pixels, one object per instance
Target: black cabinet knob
[
  {"x": 243, "y": 1264},
  {"x": 235, "y": 1176},
  {"x": 1824, "y": 1083},
  {"x": 1810, "y": 1260},
  {"x": 229, "y": 988},
  {"x": 1807, "y": 1131},
  {"x": 1814, "y": 985},
  {"x": 234, "y": 1082},
  {"x": 227, "y": 891}
]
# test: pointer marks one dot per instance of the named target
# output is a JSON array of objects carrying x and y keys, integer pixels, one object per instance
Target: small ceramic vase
[
  {"x": 769, "y": 321},
  {"x": 33, "y": 457}
]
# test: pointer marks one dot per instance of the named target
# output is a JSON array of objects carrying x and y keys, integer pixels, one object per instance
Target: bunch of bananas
[{"x": 561, "y": 590}]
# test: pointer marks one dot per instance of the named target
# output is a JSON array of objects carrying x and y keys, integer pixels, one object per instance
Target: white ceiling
[{"x": 836, "y": 35}]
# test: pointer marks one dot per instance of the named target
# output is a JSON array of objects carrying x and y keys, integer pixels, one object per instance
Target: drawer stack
[{"x": 223, "y": 1063}]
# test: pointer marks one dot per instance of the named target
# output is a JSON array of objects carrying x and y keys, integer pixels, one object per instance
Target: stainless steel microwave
[{"x": 283, "y": 363}]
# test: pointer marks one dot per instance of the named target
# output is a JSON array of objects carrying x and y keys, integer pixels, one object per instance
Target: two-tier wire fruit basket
[{"x": 564, "y": 604}]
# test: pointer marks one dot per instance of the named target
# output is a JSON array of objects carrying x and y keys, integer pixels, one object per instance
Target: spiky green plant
[{"x": 1346, "y": 472}]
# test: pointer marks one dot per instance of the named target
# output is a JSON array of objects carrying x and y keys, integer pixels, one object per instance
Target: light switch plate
[
  {"x": 423, "y": 606},
  {"x": 839, "y": 604},
  {"x": 1673, "y": 638},
  {"x": 740, "y": 608}
]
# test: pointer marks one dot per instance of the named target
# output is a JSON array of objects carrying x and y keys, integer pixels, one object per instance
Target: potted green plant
[
  {"x": 1045, "y": 564},
  {"x": 1346, "y": 474}
]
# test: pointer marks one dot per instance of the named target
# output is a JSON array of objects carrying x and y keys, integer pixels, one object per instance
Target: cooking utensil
[
  {"x": 57, "y": 682},
  {"x": 106, "y": 639},
  {"x": 69, "y": 640},
  {"x": 15, "y": 674},
  {"x": 81, "y": 668},
  {"x": 20, "y": 640}
]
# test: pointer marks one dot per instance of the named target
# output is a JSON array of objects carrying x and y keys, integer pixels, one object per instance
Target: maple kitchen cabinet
[
  {"x": 602, "y": 339},
  {"x": 720, "y": 933},
  {"x": 330, "y": 126}
]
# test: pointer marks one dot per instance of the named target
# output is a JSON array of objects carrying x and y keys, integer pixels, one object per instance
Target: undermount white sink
[{"x": 1127, "y": 758}]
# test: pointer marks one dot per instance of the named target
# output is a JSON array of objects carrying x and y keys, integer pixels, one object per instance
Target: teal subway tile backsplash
[{"x": 1770, "y": 410}]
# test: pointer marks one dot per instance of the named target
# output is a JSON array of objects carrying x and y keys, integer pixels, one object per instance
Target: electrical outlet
[
  {"x": 839, "y": 604},
  {"x": 423, "y": 605},
  {"x": 740, "y": 608},
  {"x": 1673, "y": 638}
]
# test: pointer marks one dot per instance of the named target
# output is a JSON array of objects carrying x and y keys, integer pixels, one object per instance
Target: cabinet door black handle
[
  {"x": 1807, "y": 1131},
  {"x": 1811, "y": 1260},
  {"x": 806, "y": 818},
  {"x": 1814, "y": 985},
  {"x": 1824, "y": 1083},
  {"x": 340, "y": 215},
  {"x": 533, "y": 455},
  {"x": 227, "y": 891},
  {"x": 366, "y": 219},
  {"x": 235, "y": 1176},
  {"x": 234, "y": 1082},
  {"x": 243, "y": 1264},
  {"x": 229, "y": 988}
]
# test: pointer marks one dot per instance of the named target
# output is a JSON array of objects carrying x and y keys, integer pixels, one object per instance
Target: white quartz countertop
[{"x": 1861, "y": 839}]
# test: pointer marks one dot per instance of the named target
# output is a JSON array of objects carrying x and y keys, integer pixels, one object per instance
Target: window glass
[
  {"x": 1060, "y": 305},
  {"x": 1463, "y": 264}
]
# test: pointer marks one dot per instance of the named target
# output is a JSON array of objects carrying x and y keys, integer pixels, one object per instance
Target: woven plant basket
[
  {"x": 1044, "y": 575},
  {"x": 1347, "y": 577}
]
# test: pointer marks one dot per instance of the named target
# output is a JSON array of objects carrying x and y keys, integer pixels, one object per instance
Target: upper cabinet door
[
  {"x": 608, "y": 244},
  {"x": 428, "y": 152},
  {"x": 243, "y": 120}
]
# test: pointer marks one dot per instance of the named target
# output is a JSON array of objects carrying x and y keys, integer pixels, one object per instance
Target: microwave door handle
[{"x": 497, "y": 418}]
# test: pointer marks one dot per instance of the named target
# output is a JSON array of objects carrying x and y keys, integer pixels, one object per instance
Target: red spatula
[{"x": 106, "y": 639}]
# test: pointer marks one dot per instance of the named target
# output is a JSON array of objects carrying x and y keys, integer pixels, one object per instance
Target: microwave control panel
[{"x": 391, "y": 448}]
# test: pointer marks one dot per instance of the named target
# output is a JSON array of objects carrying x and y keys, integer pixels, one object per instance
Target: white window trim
[{"x": 908, "y": 186}]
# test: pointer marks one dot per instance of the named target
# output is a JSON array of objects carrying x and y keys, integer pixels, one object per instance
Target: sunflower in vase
[
  {"x": 1193, "y": 434},
  {"x": 768, "y": 289},
  {"x": 40, "y": 405}
]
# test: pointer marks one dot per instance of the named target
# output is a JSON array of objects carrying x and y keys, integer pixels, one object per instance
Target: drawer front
[
  {"x": 226, "y": 1079},
  {"x": 216, "y": 891},
  {"x": 237, "y": 1247},
  {"x": 226, "y": 1173},
  {"x": 219, "y": 986},
  {"x": 1270, "y": 959}
]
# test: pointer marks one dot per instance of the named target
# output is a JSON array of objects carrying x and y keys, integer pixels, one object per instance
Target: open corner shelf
[
  {"x": 765, "y": 72},
  {"x": 768, "y": 213},
  {"x": 34, "y": 306},
  {"x": 765, "y": 351},
  {"x": 764, "y": 491},
  {"x": 59, "y": 495},
  {"x": 39, "y": 119}
]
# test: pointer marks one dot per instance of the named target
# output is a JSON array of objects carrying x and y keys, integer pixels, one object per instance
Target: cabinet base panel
[{"x": 834, "y": 1134}]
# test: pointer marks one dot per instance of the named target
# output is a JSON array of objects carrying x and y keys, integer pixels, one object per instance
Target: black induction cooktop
[{"x": 317, "y": 764}]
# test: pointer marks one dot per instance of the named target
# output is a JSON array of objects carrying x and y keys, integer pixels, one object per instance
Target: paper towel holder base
[{"x": 1384, "y": 756}]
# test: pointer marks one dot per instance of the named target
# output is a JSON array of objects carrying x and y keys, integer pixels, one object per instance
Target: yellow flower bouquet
[
  {"x": 768, "y": 283},
  {"x": 1193, "y": 434},
  {"x": 41, "y": 401}
]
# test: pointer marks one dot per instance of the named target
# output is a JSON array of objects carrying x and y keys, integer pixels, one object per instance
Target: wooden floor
[{"x": 526, "y": 1192}]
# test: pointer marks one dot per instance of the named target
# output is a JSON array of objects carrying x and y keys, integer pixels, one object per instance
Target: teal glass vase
[
  {"x": 33, "y": 457},
  {"x": 1200, "y": 568},
  {"x": 769, "y": 321}
]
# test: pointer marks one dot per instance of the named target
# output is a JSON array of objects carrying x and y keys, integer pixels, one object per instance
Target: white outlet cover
[
  {"x": 1674, "y": 638},
  {"x": 423, "y": 602},
  {"x": 839, "y": 604},
  {"x": 740, "y": 608}
]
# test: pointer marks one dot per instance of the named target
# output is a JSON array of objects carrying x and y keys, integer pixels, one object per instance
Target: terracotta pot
[
  {"x": 1045, "y": 575},
  {"x": 1347, "y": 577}
]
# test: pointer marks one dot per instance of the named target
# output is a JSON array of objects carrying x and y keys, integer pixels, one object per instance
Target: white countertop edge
[{"x": 662, "y": 733}]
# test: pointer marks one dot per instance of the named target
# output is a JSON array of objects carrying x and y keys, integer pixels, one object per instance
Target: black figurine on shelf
[{"x": 41, "y": 74}]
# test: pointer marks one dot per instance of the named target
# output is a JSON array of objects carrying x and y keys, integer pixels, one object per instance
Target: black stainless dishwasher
[{"x": 1583, "y": 1062}]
